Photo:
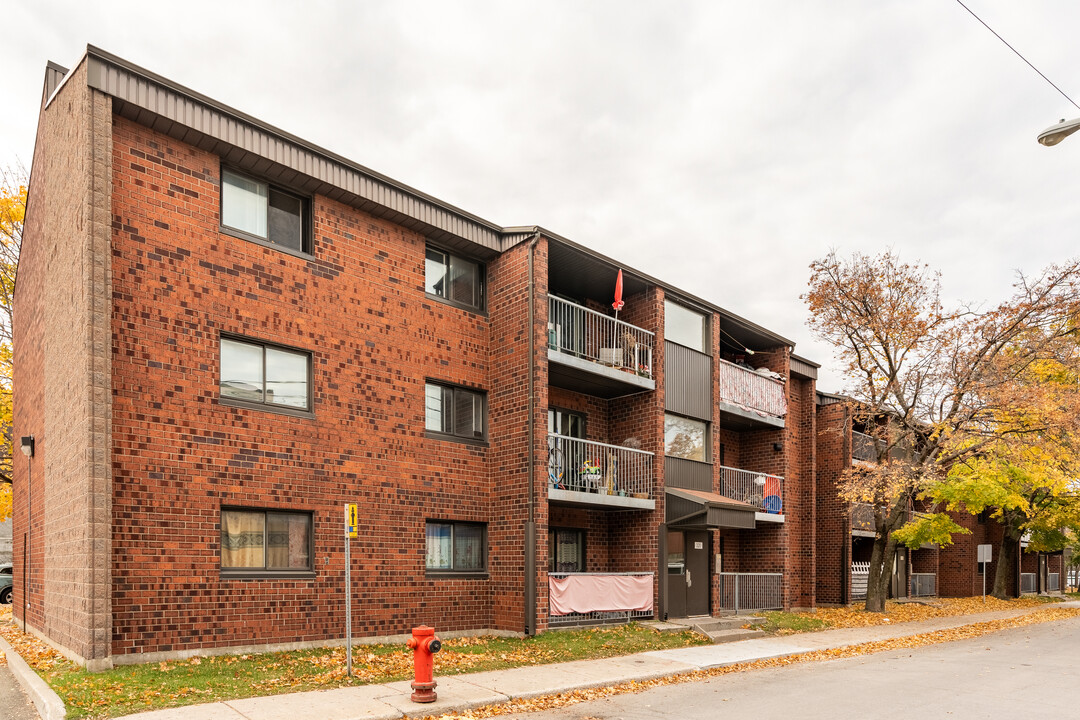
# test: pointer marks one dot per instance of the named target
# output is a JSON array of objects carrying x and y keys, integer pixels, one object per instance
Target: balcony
[
  {"x": 765, "y": 492},
  {"x": 750, "y": 399},
  {"x": 862, "y": 520},
  {"x": 595, "y": 354},
  {"x": 862, "y": 447},
  {"x": 594, "y": 598},
  {"x": 598, "y": 475}
]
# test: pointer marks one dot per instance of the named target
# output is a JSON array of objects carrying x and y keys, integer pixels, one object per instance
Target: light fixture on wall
[{"x": 26, "y": 444}]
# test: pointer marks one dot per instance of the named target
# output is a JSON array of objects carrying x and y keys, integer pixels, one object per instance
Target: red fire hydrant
[{"x": 424, "y": 645}]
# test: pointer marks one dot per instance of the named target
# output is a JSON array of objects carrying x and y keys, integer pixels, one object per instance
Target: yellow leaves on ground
[
  {"x": 964, "y": 632},
  {"x": 912, "y": 611}
]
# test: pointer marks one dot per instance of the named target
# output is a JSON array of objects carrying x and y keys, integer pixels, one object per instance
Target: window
[
  {"x": 686, "y": 438},
  {"x": 265, "y": 541},
  {"x": 264, "y": 212},
  {"x": 455, "y": 411},
  {"x": 261, "y": 374},
  {"x": 454, "y": 279},
  {"x": 566, "y": 550},
  {"x": 456, "y": 547},
  {"x": 686, "y": 327}
]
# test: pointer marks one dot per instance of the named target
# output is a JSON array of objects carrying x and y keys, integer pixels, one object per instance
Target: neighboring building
[
  {"x": 224, "y": 333},
  {"x": 5, "y": 542}
]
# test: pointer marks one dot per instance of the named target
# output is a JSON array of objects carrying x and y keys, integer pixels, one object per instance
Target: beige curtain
[{"x": 242, "y": 539}]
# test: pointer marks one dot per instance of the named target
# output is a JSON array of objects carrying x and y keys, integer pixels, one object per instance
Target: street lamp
[{"x": 1056, "y": 133}]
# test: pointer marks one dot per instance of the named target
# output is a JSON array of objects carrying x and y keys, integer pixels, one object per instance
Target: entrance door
[{"x": 688, "y": 573}]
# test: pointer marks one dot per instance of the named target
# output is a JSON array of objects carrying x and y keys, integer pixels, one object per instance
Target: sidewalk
[{"x": 463, "y": 692}]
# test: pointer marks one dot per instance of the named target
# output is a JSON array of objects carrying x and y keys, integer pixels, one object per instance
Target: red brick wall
[
  {"x": 833, "y": 520},
  {"x": 358, "y": 306}
]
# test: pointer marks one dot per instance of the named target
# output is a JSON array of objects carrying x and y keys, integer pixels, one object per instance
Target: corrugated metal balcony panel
[
  {"x": 687, "y": 381},
  {"x": 689, "y": 474}
]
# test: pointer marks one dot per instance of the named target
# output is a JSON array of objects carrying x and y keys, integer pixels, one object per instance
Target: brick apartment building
[
  {"x": 224, "y": 333},
  {"x": 845, "y": 533}
]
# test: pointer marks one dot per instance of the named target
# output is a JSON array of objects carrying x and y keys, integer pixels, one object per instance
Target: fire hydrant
[{"x": 424, "y": 645}]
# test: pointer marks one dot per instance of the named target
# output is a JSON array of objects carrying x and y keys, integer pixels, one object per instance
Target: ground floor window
[
  {"x": 566, "y": 550},
  {"x": 265, "y": 540},
  {"x": 456, "y": 547}
]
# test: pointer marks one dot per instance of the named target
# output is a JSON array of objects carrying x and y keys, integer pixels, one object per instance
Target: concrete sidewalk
[{"x": 462, "y": 692}]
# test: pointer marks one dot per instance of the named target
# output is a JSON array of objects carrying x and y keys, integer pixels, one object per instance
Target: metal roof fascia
[
  {"x": 102, "y": 56},
  {"x": 752, "y": 326}
]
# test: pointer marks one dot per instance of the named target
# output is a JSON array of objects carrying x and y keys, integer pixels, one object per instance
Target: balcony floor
[
  {"x": 592, "y": 378},
  {"x": 733, "y": 417},
  {"x": 597, "y": 501}
]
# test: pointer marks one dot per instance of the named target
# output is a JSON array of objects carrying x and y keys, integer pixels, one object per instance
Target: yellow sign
[{"x": 351, "y": 521}]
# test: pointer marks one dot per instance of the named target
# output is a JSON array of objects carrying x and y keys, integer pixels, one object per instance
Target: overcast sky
[{"x": 719, "y": 145}]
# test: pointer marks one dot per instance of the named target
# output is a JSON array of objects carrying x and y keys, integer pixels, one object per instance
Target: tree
[
  {"x": 13, "y": 184},
  {"x": 928, "y": 382}
]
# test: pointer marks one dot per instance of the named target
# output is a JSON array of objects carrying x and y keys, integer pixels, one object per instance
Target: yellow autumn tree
[{"x": 12, "y": 212}]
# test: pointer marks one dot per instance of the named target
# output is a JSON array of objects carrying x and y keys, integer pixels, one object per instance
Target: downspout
[{"x": 530, "y": 524}]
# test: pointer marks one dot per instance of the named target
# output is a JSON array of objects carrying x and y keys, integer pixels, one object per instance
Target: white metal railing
[
  {"x": 596, "y": 467},
  {"x": 761, "y": 490},
  {"x": 1053, "y": 582},
  {"x": 860, "y": 580},
  {"x": 579, "y": 331},
  {"x": 597, "y": 617},
  {"x": 750, "y": 591},
  {"x": 923, "y": 584},
  {"x": 1027, "y": 582},
  {"x": 751, "y": 391}
]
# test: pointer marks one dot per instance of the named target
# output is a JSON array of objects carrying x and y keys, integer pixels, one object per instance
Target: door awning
[{"x": 697, "y": 509}]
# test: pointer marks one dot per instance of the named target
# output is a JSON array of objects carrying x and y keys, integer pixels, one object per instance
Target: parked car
[{"x": 5, "y": 587}]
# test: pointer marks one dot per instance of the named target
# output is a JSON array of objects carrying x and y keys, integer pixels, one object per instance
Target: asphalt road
[
  {"x": 1026, "y": 672},
  {"x": 14, "y": 705}
]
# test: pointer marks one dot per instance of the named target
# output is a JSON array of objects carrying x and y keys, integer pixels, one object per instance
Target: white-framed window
[
  {"x": 456, "y": 547},
  {"x": 264, "y": 212},
  {"x": 256, "y": 373},
  {"x": 454, "y": 279}
]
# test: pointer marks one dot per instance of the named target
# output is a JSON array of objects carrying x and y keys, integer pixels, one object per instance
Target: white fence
[
  {"x": 860, "y": 580},
  {"x": 588, "y": 466},
  {"x": 751, "y": 391},
  {"x": 758, "y": 489},
  {"x": 577, "y": 330},
  {"x": 750, "y": 591}
]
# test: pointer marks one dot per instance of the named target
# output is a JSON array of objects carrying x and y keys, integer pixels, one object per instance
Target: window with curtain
[
  {"x": 265, "y": 540},
  {"x": 454, "y": 279},
  {"x": 455, "y": 411},
  {"x": 456, "y": 547},
  {"x": 566, "y": 550},
  {"x": 264, "y": 212}
]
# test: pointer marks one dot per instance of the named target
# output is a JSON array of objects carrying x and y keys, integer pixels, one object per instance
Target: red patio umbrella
[{"x": 618, "y": 304}]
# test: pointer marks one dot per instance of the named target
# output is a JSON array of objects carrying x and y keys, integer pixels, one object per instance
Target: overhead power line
[{"x": 1019, "y": 55}]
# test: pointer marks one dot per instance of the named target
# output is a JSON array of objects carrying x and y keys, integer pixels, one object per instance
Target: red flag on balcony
[{"x": 618, "y": 304}]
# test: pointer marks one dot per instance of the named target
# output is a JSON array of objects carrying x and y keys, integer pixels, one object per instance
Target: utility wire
[{"x": 1018, "y": 54}]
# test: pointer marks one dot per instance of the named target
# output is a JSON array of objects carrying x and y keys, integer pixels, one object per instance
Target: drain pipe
[{"x": 530, "y": 524}]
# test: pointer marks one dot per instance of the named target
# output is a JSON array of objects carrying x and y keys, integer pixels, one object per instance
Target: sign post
[
  {"x": 350, "y": 533},
  {"x": 985, "y": 556}
]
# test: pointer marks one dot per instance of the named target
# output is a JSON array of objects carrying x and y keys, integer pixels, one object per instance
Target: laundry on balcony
[{"x": 600, "y": 592}]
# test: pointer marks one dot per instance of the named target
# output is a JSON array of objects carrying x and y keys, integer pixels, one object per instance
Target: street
[{"x": 1017, "y": 673}]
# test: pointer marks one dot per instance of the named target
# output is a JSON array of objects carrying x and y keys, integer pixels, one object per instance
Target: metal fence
[
  {"x": 577, "y": 330},
  {"x": 862, "y": 447},
  {"x": 752, "y": 391},
  {"x": 860, "y": 580},
  {"x": 599, "y": 617},
  {"x": 589, "y": 466},
  {"x": 1027, "y": 582},
  {"x": 750, "y": 591},
  {"x": 761, "y": 490},
  {"x": 1053, "y": 582},
  {"x": 923, "y": 585}
]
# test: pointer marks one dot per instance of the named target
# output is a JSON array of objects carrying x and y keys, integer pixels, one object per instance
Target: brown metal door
[
  {"x": 676, "y": 574},
  {"x": 697, "y": 572}
]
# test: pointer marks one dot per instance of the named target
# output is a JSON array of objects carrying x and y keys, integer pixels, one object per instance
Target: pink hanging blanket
[{"x": 600, "y": 593}]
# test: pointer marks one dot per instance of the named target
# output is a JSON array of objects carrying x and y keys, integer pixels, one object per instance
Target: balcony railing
[
  {"x": 579, "y": 331},
  {"x": 594, "y": 467},
  {"x": 751, "y": 391},
  {"x": 595, "y": 598},
  {"x": 761, "y": 490},
  {"x": 862, "y": 447},
  {"x": 862, "y": 517},
  {"x": 1053, "y": 582},
  {"x": 750, "y": 591},
  {"x": 1027, "y": 582},
  {"x": 923, "y": 585}
]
